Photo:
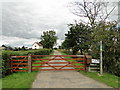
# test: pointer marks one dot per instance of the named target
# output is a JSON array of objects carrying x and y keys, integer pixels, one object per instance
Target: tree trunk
[{"x": 81, "y": 52}]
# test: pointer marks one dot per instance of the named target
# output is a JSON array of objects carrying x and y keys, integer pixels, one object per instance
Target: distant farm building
[
  {"x": 37, "y": 45},
  {"x": 2, "y": 48}
]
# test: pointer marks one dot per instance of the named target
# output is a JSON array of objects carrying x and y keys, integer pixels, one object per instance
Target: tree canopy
[
  {"x": 48, "y": 39},
  {"x": 78, "y": 37}
]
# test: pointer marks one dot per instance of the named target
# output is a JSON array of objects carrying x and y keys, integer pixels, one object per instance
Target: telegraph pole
[{"x": 101, "y": 62}]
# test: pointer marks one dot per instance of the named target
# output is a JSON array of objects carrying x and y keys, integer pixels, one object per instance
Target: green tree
[
  {"x": 48, "y": 39},
  {"x": 67, "y": 44},
  {"x": 9, "y": 48},
  {"x": 23, "y": 48},
  {"x": 78, "y": 37},
  {"x": 110, "y": 35}
]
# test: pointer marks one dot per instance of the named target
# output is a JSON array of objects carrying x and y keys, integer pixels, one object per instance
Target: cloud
[
  {"x": 23, "y": 21},
  {"x": 29, "y": 19},
  {"x": 16, "y": 41}
]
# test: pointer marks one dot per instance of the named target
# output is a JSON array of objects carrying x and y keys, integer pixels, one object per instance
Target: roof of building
[{"x": 38, "y": 43}]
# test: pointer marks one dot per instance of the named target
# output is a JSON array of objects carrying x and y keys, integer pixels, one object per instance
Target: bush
[
  {"x": 111, "y": 60},
  {"x": 7, "y": 53},
  {"x": 67, "y": 52}
]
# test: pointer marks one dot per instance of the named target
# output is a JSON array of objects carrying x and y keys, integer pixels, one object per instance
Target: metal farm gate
[{"x": 47, "y": 62}]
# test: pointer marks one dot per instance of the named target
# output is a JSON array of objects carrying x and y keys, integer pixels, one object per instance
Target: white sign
[
  {"x": 95, "y": 61},
  {"x": 13, "y": 56}
]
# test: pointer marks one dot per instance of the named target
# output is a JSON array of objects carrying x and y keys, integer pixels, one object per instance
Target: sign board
[
  {"x": 95, "y": 61},
  {"x": 13, "y": 57}
]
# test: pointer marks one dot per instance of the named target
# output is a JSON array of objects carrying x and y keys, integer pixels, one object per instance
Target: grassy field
[{"x": 108, "y": 79}]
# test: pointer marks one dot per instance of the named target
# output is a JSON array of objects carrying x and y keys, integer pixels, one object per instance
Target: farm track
[{"x": 65, "y": 79}]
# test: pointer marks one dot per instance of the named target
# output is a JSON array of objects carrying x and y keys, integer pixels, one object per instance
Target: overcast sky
[{"x": 23, "y": 21}]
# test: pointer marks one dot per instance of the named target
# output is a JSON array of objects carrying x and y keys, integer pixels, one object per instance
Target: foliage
[
  {"x": 23, "y": 48},
  {"x": 67, "y": 44},
  {"x": 7, "y": 47},
  {"x": 97, "y": 13},
  {"x": 105, "y": 31},
  {"x": 66, "y": 52},
  {"x": 6, "y": 57},
  {"x": 78, "y": 37},
  {"x": 110, "y": 35},
  {"x": 48, "y": 39}
]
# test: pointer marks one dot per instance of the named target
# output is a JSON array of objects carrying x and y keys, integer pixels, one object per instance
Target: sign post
[{"x": 101, "y": 68}]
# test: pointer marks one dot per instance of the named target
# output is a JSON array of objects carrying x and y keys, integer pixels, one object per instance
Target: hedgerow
[
  {"x": 111, "y": 61},
  {"x": 7, "y": 53}
]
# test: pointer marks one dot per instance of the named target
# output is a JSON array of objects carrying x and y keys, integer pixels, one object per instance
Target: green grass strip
[{"x": 19, "y": 80}]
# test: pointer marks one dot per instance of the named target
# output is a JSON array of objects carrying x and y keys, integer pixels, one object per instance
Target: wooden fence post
[
  {"x": 29, "y": 63},
  {"x": 11, "y": 64},
  {"x": 85, "y": 62}
]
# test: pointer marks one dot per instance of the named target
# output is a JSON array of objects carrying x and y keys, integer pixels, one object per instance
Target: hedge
[
  {"x": 6, "y": 57},
  {"x": 67, "y": 52},
  {"x": 111, "y": 61}
]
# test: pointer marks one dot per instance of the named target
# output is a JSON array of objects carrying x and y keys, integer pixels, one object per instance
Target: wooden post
[
  {"x": 29, "y": 63},
  {"x": 101, "y": 69},
  {"x": 11, "y": 63},
  {"x": 89, "y": 68},
  {"x": 85, "y": 62}
]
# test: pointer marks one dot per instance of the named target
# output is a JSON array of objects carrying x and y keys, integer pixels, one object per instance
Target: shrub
[
  {"x": 111, "y": 60},
  {"x": 67, "y": 52}
]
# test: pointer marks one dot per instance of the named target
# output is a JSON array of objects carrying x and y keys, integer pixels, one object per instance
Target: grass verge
[
  {"x": 19, "y": 80},
  {"x": 108, "y": 79}
]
